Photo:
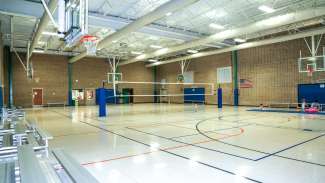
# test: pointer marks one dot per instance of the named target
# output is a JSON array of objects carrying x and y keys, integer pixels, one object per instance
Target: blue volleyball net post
[
  {"x": 102, "y": 102},
  {"x": 219, "y": 97}
]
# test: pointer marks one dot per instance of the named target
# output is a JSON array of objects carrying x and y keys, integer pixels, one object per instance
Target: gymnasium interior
[{"x": 162, "y": 91}]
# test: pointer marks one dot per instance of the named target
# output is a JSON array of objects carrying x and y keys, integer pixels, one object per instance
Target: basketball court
[{"x": 141, "y": 91}]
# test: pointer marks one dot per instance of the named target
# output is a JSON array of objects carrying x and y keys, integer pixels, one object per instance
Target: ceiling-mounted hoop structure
[
  {"x": 311, "y": 69},
  {"x": 184, "y": 64},
  {"x": 314, "y": 63},
  {"x": 76, "y": 21},
  {"x": 114, "y": 61},
  {"x": 28, "y": 67},
  {"x": 90, "y": 43}
]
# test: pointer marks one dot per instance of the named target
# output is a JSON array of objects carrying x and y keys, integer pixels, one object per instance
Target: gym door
[
  {"x": 37, "y": 96},
  {"x": 128, "y": 98}
]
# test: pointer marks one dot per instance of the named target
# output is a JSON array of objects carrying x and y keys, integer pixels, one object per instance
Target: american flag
[{"x": 245, "y": 83}]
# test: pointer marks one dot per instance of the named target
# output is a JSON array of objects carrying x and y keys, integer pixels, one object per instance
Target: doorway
[
  {"x": 37, "y": 96},
  {"x": 129, "y": 95}
]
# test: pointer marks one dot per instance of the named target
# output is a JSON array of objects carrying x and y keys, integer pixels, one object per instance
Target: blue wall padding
[
  {"x": 199, "y": 96},
  {"x": 236, "y": 97},
  {"x": 102, "y": 102},
  {"x": 110, "y": 99},
  {"x": 219, "y": 97},
  {"x": 70, "y": 98},
  {"x": 311, "y": 93}
]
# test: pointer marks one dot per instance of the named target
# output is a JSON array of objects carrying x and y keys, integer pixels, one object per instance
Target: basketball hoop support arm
[
  {"x": 114, "y": 65},
  {"x": 49, "y": 14},
  {"x": 313, "y": 48}
]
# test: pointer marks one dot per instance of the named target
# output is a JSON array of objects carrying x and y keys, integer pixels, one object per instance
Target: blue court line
[
  {"x": 168, "y": 152},
  {"x": 210, "y": 131},
  {"x": 290, "y": 147},
  {"x": 284, "y": 111}
]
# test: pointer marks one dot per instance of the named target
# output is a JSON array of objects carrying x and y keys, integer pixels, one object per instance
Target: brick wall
[
  {"x": 273, "y": 69},
  {"x": 50, "y": 74},
  {"x": 89, "y": 73},
  {"x": 139, "y": 73},
  {"x": 205, "y": 71}
]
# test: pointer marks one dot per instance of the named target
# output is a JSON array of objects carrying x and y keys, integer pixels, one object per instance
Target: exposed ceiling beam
[
  {"x": 32, "y": 9},
  {"x": 156, "y": 14},
  {"x": 244, "y": 46},
  {"x": 262, "y": 25},
  {"x": 42, "y": 25}
]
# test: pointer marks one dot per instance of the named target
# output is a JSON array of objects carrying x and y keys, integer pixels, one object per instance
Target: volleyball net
[{"x": 164, "y": 92}]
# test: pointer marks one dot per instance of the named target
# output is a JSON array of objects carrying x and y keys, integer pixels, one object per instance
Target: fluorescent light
[
  {"x": 153, "y": 38},
  {"x": 155, "y": 46},
  {"x": 169, "y": 13},
  {"x": 217, "y": 13},
  {"x": 153, "y": 60},
  {"x": 216, "y": 26},
  {"x": 38, "y": 51},
  {"x": 114, "y": 41},
  {"x": 161, "y": 51},
  {"x": 276, "y": 20},
  {"x": 140, "y": 57},
  {"x": 266, "y": 9},
  {"x": 192, "y": 51},
  {"x": 239, "y": 40},
  {"x": 50, "y": 33},
  {"x": 136, "y": 52}
]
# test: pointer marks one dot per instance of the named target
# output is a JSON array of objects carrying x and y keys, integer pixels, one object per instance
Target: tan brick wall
[
  {"x": 273, "y": 69},
  {"x": 89, "y": 73},
  {"x": 139, "y": 73},
  {"x": 205, "y": 71},
  {"x": 51, "y": 71}
]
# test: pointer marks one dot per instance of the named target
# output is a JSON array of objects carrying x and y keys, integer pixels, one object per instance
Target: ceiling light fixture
[
  {"x": 50, "y": 33},
  {"x": 136, "y": 52},
  {"x": 239, "y": 40},
  {"x": 168, "y": 14},
  {"x": 216, "y": 26},
  {"x": 155, "y": 46},
  {"x": 266, "y": 9},
  {"x": 153, "y": 60},
  {"x": 192, "y": 51},
  {"x": 38, "y": 51}
]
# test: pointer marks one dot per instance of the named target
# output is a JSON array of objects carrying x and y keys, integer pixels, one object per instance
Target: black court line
[
  {"x": 279, "y": 156},
  {"x": 290, "y": 147},
  {"x": 268, "y": 154},
  {"x": 194, "y": 145},
  {"x": 210, "y": 131},
  {"x": 272, "y": 126},
  {"x": 168, "y": 152}
]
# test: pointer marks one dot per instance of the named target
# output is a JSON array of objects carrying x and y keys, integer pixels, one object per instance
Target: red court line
[
  {"x": 194, "y": 129},
  {"x": 154, "y": 124},
  {"x": 163, "y": 149},
  {"x": 71, "y": 134}
]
